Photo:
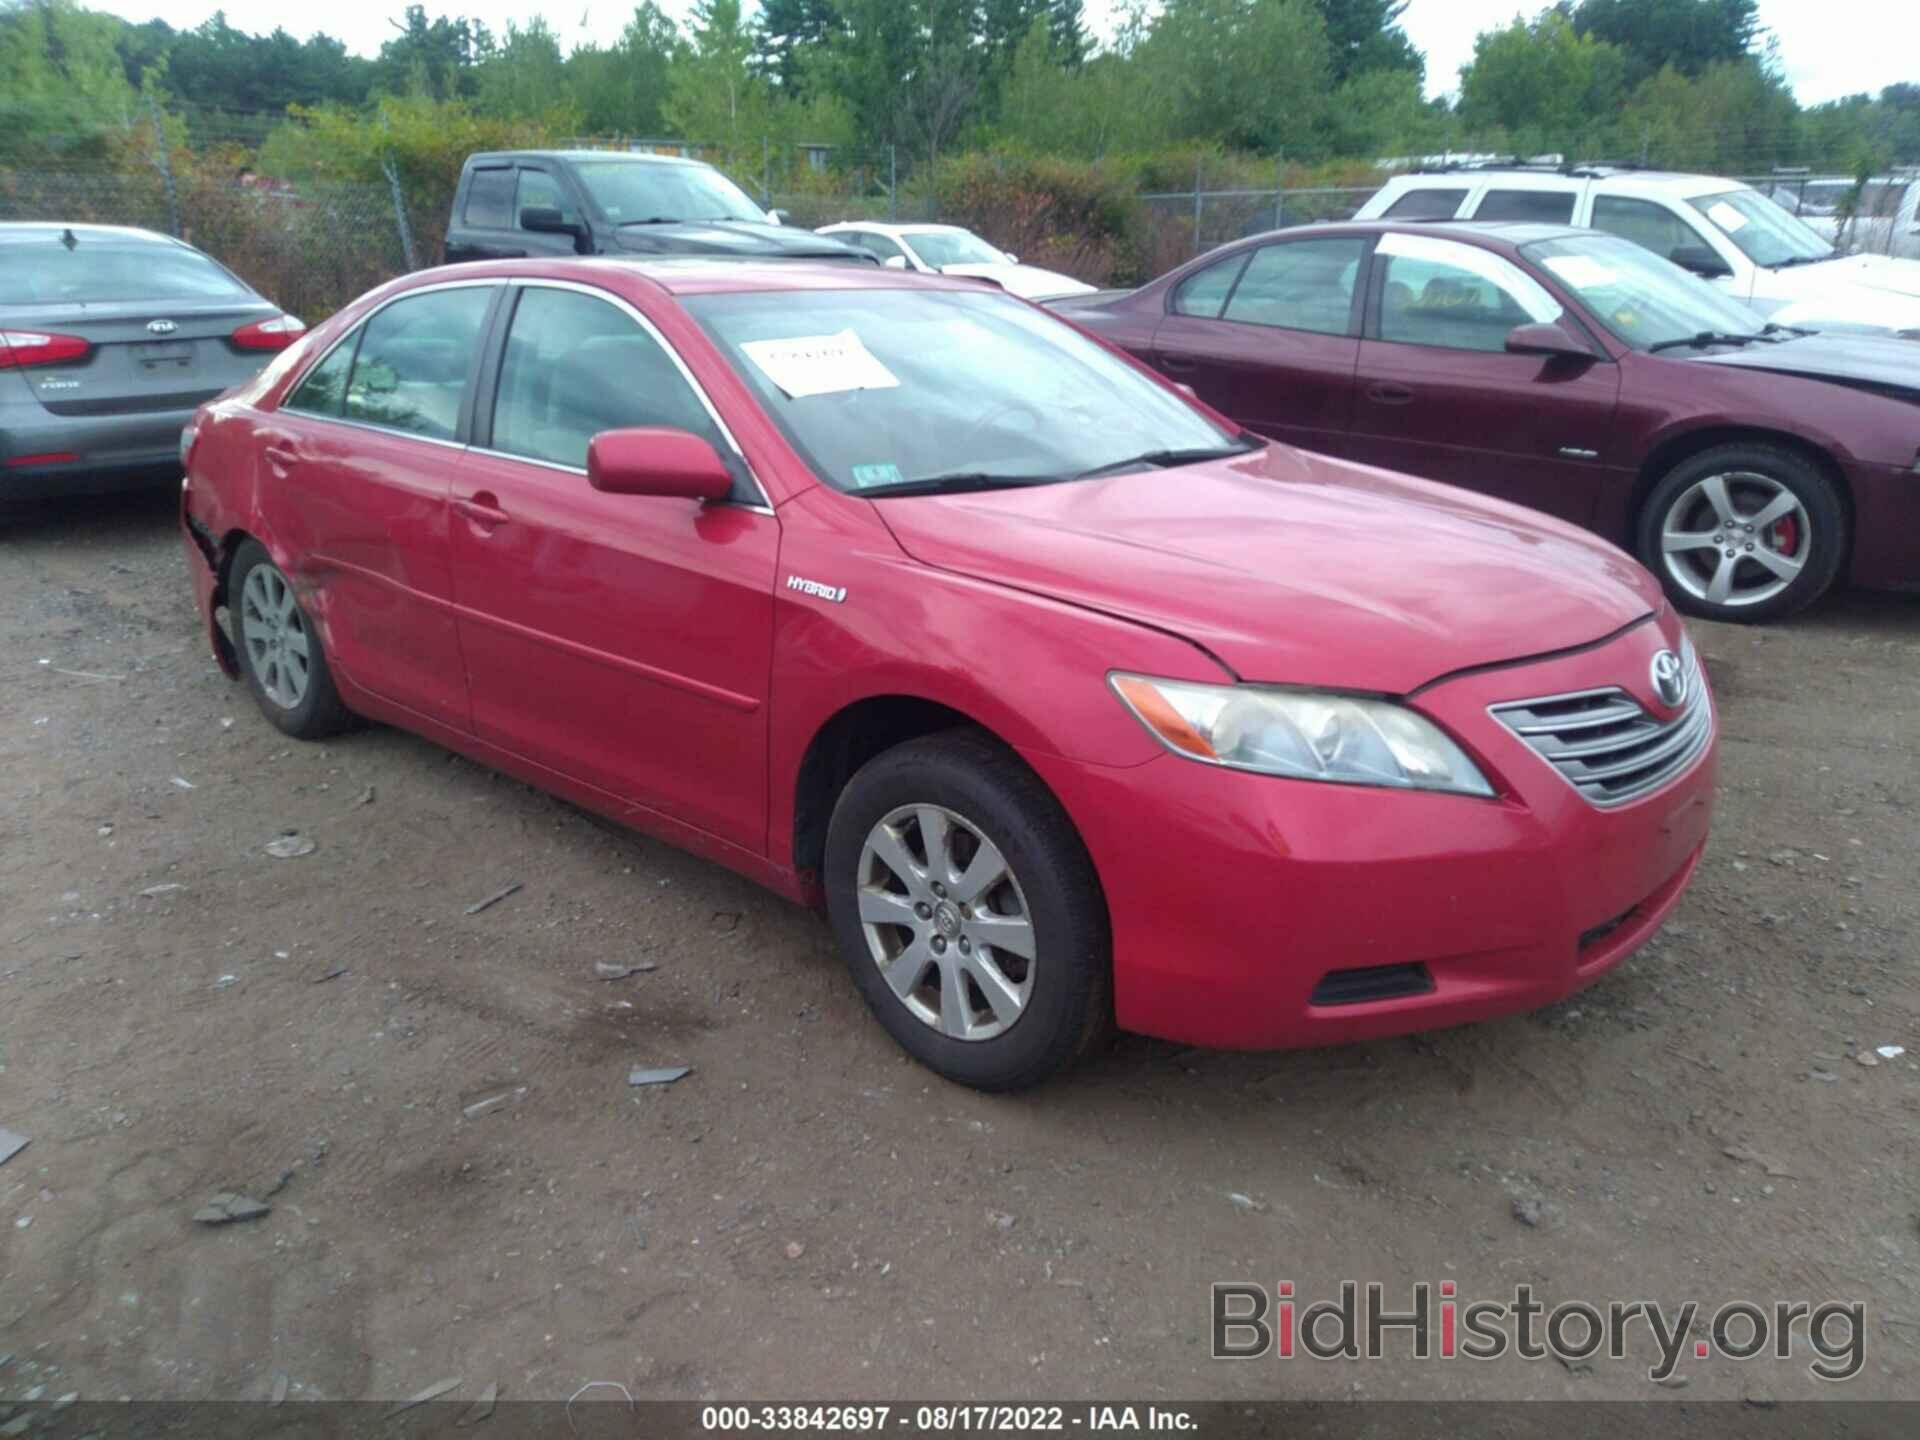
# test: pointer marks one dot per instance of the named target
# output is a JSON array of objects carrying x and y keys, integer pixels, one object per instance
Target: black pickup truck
[{"x": 595, "y": 202}]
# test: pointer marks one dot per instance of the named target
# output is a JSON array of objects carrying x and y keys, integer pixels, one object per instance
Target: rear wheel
[
  {"x": 968, "y": 911},
  {"x": 1744, "y": 532},
  {"x": 280, "y": 651}
]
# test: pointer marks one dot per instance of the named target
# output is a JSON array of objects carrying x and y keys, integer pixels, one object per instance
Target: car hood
[
  {"x": 1880, "y": 363},
  {"x": 1029, "y": 282},
  {"x": 1295, "y": 568},
  {"x": 1859, "y": 292},
  {"x": 743, "y": 238}
]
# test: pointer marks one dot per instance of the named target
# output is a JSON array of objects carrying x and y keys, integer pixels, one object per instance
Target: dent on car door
[
  {"x": 1270, "y": 338},
  {"x": 620, "y": 640},
  {"x": 1438, "y": 395},
  {"x": 355, "y": 469}
]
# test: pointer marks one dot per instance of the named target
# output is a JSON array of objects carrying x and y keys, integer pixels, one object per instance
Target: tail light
[
  {"x": 20, "y": 349},
  {"x": 275, "y": 334}
]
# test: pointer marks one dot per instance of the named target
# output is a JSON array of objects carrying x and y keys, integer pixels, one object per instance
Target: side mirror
[
  {"x": 779, "y": 217},
  {"x": 1700, "y": 260},
  {"x": 1012, "y": 259},
  {"x": 657, "y": 461},
  {"x": 547, "y": 220},
  {"x": 1546, "y": 338},
  {"x": 895, "y": 262}
]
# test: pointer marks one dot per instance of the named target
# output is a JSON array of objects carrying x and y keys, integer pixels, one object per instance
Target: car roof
[
  {"x": 19, "y": 231},
  {"x": 888, "y": 227},
  {"x": 1512, "y": 233},
  {"x": 693, "y": 275},
  {"x": 634, "y": 157},
  {"x": 1613, "y": 177}
]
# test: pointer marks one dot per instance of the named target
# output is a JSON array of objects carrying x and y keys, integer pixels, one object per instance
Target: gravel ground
[{"x": 464, "y": 1185}]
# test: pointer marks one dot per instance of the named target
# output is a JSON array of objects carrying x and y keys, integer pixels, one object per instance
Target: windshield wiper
[
  {"x": 1781, "y": 332},
  {"x": 1806, "y": 259},
  {"x": 1701, "y": 341},
  {"x": 1164, "y": 458},
  {"x": 956, "y": 482}
]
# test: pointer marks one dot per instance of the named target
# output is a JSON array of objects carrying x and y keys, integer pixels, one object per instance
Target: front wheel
[
  {"x": 968, "y": 911},
  {"x": 1744, "y": 533}
]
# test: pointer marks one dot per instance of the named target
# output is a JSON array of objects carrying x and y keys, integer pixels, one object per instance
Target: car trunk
[{"x": 145, "y": 355}]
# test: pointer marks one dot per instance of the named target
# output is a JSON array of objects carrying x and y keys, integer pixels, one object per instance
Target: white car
[
  {"x": 951, "y": 250},
  {"x": 1723, "y": 230},
  {"x": 1885, "y": 218}
]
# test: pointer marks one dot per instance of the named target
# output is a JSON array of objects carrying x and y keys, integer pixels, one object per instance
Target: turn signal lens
[
  {"x": 20, "y": 349},
  {"x": 1301, "y": 734},
  {"x": 275, "y": 334}
]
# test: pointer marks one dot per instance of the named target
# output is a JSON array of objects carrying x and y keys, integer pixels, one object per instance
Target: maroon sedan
[{"x": 1750, "y": 466}]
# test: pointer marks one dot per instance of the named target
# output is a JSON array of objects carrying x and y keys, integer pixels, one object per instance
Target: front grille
[
  {"x": 1605, "y": 744},
  {"x": 1370, "y": 982}
]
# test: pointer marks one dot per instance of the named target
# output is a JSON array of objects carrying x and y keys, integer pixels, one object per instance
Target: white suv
[{"x": 1723, "y": 230}]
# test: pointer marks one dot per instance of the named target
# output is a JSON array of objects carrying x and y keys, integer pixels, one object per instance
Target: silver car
[{"x": 109, "y": 339}]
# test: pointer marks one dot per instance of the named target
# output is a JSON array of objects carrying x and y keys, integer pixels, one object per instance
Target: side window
[
  {"x": 1646, "y": 224},
  {"x": 876, "y": 244},
  {"x": 415, "y": 355},
  {"x": 325, "y": 387},
  {"x": 1203, "y": 293},
  {"x": 1426, "y": 205},
  {"x": 1459, "y": 297},
  {"x": 490, "y": 199},
  {"x": 1551, "y": 207},
  {"x": 538, "y": 189},
  {"x": 576, "y": 366},
  {"x": 1300, "y": 285}
]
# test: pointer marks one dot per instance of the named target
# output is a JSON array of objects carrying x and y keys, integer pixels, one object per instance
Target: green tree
[
  {"x": 1247, "y": 73},
  {"x": 432, "y": 58},
  {"x": 525, "y": 76},
  {"x": 622, "y": 89},
  {"x": 1365, "y": 35},
  {"x": 1542, "y": 84},
  {"x": 787, "y": 29},
  {"x": 1731, "y": 118},
  {"x": 1686, "y": 35},
  {"x": 715, "y": 94},
  {"x": 63, "y": 86}
]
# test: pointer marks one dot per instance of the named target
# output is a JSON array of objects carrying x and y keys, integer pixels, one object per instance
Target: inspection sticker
[
  {"x": 804, "y": 365},
  {"x": 865, "y": 475}
]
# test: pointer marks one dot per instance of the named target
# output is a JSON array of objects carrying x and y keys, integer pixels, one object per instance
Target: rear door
[
  {"x": 355, "y": 471},
  {"x": 1270, "y": 336},
  {"x": 1437, "y": 395}
]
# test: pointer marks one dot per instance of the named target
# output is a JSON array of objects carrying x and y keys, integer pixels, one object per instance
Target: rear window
[
  {"x": 1426, "y": 205},
  {"x": 93, "y": 271},
  {"x": 1547, "y": 206}
]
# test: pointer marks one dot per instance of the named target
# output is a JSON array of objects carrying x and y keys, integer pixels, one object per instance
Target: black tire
[
  {"x": 319, "y": 711},
  {"x": 1068, "y": 1004},
  {"x": 1822, "y": 550}
]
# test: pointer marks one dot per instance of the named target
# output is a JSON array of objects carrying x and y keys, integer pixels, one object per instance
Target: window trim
[
  {"x": 463, "y": 427},
  {"x": 487, "y": 385}
]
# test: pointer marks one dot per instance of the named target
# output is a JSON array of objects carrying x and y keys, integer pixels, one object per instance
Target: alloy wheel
[
  {"x": 1735, "y": 539},
  {"x": 946, "y": 922},
  {"x": 275, "y": 632}
]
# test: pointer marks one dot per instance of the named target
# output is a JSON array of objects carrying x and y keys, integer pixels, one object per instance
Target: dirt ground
[{"x": 808, "y": 1214}]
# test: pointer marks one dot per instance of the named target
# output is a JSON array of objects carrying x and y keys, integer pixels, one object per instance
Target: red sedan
[
  {"x": 1749, "y": 465},
  {"x": 1070, "y": 701}
]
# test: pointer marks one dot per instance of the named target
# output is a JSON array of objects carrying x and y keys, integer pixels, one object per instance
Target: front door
[
  {"x": 1270, "y": 339},
  {"x": 1438, "y": 395},
  {"x": 622, "y": 640}
]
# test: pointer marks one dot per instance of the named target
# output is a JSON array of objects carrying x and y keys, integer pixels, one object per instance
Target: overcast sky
[{"x": 1829, "y": 48}]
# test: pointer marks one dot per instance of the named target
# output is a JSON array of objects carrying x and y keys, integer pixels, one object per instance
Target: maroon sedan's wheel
[
  {"x": 969, "y": 912},
  {"x": 280, "y": 651},
  {"x": 1744, "y": 532}
]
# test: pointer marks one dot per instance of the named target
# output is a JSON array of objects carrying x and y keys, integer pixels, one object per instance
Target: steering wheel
[{"x": 993, "y": 416}]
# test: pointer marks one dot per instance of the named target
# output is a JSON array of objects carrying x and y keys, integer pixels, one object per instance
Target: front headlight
[{"x": 1302, "y": 734}]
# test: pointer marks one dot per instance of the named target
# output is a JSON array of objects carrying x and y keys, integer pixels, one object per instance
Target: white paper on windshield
[
  {"x": 1580, "y": 271},
  {"x": 804, "y": 365},
  {"x": 1725, "y": 216}
]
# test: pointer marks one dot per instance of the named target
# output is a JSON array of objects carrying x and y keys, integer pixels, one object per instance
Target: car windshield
[
  {"x": 1766, "y": 233},
  {"x": 633, "y": 192},
  {"x": 941, "y": 248},
  {"x": 1642, "y": 298},
  {"x": 883, "y": 387},
  {"x": 104, "y": 271}
]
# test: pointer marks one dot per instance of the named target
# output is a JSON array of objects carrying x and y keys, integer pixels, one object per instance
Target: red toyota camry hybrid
[{"x": 1073, "y": 703}]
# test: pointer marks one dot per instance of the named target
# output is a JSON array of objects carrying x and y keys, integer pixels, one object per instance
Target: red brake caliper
[{"x": 1786, "y": 536}]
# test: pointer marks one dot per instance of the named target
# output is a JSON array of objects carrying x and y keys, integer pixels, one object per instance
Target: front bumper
[{"x": 1232, "y": 896}]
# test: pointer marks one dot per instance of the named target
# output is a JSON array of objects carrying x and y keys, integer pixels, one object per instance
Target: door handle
[
  {"x": 281, "y": 456},
  {"x": 1386, "y": 394},
  {"x": 1180, "y": 364},
  {"x": 483, "y": 510}
]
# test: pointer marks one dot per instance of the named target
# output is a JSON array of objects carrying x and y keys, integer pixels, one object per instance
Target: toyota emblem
[
  {"x": 161, "y": 327},
  {"x": 1669, "y": 680}
]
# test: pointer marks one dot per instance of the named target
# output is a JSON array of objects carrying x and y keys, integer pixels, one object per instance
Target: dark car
[
  {"x": 598, "y": 202},
  {"x": 1749, "y": 466},
  {"x": 109, "y": 340}
]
